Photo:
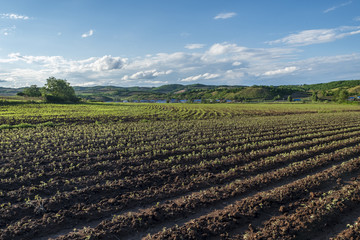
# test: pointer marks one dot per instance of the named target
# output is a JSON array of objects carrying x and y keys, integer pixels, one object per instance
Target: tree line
[{"x": 55, "y": 91}]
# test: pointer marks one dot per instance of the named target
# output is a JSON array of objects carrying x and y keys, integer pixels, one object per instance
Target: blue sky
[{"x": 157, "y": 42}]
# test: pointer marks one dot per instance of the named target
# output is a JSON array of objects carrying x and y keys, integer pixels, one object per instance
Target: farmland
[{"x": 179, "y": 171}]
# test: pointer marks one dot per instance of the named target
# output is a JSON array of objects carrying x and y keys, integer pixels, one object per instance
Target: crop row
[
  {"x": 121, "y": 225},
  {"x": 89, "y": 113},
  {"x": 265, "y": 160},
  {"x": 184, "y": 156},
  {"x": 312, "y": 216},
  {"x": 284, "y": 199},
  {"x": 53, "y": 178},
  {"x": 351, "y": 233},
  {"x": 80, "y": 210}
]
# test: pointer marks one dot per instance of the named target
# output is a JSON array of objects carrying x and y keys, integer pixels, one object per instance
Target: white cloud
[
  {"x": 20, "y": 77},
  {"x": 225, "y": 15},
  {"x": 222, "y": 48},
  {"x": 87, "y": 84},
  {"x": 148, "y": 74},
  {"x": 59, "y": 63},
  {"x": 226, "y": 53},
  {"x": 194, "y": 46},
  {"x": 178, "y": 60},
  {"x": 14, "y": 16},
  {"x": 337, "y": 6},
  {"x": 88, "y": 34},
  {"x": 281, "y": 71},
  {"x": 317, "y": 36},
  {"x": 205, "y": 76},
  {"x": 221, "y": 63},
  {"x": 234, "y": 74},
  {"x": 107, "y": 63},
  {"x": 156, "y": 82},
  {"x": 357, "y": 18},
  {"x": 228, "y": 61},
  {"x": 329, "y": 60}
]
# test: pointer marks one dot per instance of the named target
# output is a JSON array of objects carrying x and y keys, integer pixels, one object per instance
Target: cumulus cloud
[
  {"x": 88, "y": 34},
  {"x": 59, "y": 63},
  {"x": 221, "y": 63},
  {"x": 194, "y": 46},
  {"x": 205, "y": 76},
  {"x": 337, "y": 6},
  {"x": 178, "y": 60},
  {"x": 227, "y": 54},
  {"x": 222, "y": 48},
  {"x": 229, "y": 61},
  {"x": 225, "y": 15},
  {"x": 2, "y": 81},
  {"x": 281, "y": 71},
  {"x": 317, "y": 36},
  {"x": 14, "y": 16},
  {"x": 149, "y": 74},
  {"x": 107, "y": 63},
  {"x": 156, "y": 82}
]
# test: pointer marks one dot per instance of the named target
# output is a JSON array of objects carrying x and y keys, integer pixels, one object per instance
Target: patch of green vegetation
[
  {"x": 331, "y": 85},
  {"x": 27, "y": 125},
  {"x": 45, "y": 114}
]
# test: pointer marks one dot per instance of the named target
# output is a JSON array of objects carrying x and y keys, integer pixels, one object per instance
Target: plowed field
[{"x": 166, "y": 171}]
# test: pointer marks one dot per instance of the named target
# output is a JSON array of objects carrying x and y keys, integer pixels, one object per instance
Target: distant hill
[
  {"x": 169, "y": 88},
  {"x": 331, "y": 85},
  {"x": 137, "y": 93},
  {"x": 9, "y": 91},
  {"x": 206, "y": 92}
]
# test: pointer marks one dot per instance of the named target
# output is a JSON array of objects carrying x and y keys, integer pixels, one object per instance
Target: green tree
[
  {"x": 341, "y": 95},
  {"x": 314, "y": 96},
  {"x": 278, "y": 97},
  {"x": 289, "y": 98},
  {"x": 323, "y": 93},
  {"x": 32, "y": 91},
  {"x": 59, "y": 90}
]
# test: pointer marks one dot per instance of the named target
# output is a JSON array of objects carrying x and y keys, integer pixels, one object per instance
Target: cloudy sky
[{"x": 151, "y": 43}]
